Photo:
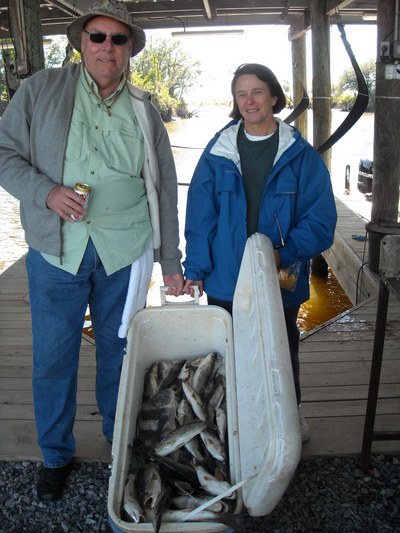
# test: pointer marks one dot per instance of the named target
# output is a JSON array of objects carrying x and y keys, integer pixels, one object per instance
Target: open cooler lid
[{"x": 269, "y": 428}]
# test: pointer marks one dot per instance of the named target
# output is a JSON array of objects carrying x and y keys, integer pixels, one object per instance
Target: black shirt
[{"x": 256, "y": 158}]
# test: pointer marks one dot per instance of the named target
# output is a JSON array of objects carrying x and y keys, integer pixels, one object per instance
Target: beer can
[{"x": 85, "y": 191}]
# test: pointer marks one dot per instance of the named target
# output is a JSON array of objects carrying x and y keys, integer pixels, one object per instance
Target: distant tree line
[
  {"x": 167, "y": 72},
  {"x": 345, "y": 92}
]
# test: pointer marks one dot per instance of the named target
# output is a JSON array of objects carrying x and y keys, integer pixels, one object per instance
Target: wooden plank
[
  {"x": 356, "y": 368},
  {"x": 349, "y": 379},
  {"x": 342, "y": 347},
  {"x": 86, "y": 359},
  {"x": 20, "y": 372},
  {"x": 18, "y": 442},
  {"x": 320, "y": 393},
  {"x": 24, "y": 383},
  {"x": 386, "y": 406},
  {"x": 321, "y": 354},
  {"x": 24, "y": 397},
  {"x": 343, "y": 436},
  {"x": 13, "y": 412}
]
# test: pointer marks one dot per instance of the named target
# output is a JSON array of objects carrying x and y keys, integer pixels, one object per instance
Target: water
[
  {"x": 11, "y": 233},
  {"x": 188, "y": 138}
]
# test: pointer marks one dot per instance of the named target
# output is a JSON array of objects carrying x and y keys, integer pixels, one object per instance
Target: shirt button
[
  {"x": 96, "y": 127},
  {"x": 88, "y": 221}
]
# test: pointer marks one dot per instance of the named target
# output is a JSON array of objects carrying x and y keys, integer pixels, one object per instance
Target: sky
[{"x": 220, "y": 55}]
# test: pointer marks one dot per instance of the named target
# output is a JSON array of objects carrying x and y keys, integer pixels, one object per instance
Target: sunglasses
[{"x": 119, "y": 39}]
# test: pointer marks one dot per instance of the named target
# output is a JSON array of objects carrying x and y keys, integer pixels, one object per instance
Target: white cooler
[{"x": 263, "y": 425}]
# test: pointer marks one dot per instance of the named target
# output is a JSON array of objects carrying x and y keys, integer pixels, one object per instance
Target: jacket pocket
[{"x": 227, "y": 183}]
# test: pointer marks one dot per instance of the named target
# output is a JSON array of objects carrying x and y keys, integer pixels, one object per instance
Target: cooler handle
[{"x": 164, "y": 300}]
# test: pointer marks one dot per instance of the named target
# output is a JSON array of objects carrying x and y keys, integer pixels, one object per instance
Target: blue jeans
[
  {"x": 293, "y": 334},
  {"x": 58, "y": 306}
]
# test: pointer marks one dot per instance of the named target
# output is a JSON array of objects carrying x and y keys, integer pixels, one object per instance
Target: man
[
  {"x": 258, "y": 175},
  {"x": 87, "y": 123}
]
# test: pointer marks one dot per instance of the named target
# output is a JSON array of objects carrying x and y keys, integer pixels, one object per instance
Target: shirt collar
[{"x": 91, "y": 86}]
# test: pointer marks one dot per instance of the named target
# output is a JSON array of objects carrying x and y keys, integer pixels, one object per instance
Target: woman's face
[{"x": 255, "y": 104}]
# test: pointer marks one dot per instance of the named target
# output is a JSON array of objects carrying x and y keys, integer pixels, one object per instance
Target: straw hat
[{"x": 107, "y": 8}]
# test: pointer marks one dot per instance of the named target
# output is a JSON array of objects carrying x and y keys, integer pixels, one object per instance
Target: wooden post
[
  {"x": 321, "y": 76},
  {"x": 26, "y": 31},
  {"x": 299, "y": 78},
  {"x": 386, "y": 181}
]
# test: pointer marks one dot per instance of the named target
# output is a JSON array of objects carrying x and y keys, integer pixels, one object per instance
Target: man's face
[
  {"x": 105, "y": 61},
  {"x": 255, "y": 104}
]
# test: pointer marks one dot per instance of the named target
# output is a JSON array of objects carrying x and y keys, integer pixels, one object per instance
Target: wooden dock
[{"x": 335, "y": 364}]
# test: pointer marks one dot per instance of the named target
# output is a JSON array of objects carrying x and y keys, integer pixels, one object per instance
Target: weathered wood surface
[
  {"x": 335, "y": 371},
  {"x": 335, "y": 360}
]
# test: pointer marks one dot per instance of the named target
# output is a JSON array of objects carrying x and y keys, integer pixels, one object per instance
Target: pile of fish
[{"x": 179, "y": 459}]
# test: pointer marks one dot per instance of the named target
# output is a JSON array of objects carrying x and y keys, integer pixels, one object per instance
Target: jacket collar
[{"x": 226, "y": 140}]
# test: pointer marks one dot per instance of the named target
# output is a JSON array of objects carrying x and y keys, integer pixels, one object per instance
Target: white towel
[{"x": 139, "y": 283}]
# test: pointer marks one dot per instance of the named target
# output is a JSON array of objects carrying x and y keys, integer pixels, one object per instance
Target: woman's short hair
[{"x": 263, "y": 73}]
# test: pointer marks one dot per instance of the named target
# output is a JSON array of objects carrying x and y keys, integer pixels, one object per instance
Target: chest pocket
[
  {"x": 123, "y": 151},
  {"x": 78, "y": 137},
  {"x": 227, "y": 183}
]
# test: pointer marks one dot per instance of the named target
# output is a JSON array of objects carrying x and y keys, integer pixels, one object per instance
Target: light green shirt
[{"x": 107, "y": 153}]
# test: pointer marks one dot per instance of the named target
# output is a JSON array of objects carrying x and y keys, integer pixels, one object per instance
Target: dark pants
[{"x": 293, "y": 334}]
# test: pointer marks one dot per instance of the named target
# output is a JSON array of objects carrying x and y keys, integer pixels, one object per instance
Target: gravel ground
[{"x": 325, "y": 495}]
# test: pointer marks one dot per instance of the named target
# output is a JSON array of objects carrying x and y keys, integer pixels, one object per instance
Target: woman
[{"x": 258, "y": 174}]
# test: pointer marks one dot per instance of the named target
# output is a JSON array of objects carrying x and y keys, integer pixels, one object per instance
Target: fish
[
  {"x": 194, "y": 400},
  {"x": 160, "y": 507},
  {"x": 184, "y": 412},
  {"x": 221, "y": 421},
  {"x": 210, "y": 484},
  {"x": 172, "y": 374},
  {"x": 234, "y": 521},
  {"x": 193, "y": 447},
  {"x": 185, "y": 372},
  {"x": 150, "y": 381},
  {"x": 180, "y": 446},
  {"x": 131, "y": 504},
  {"x": 163, "y": 367},
  {"x": 214, "y": 446},
  {"x": 217, "y": 378},
  {"x": 157, "y": 417},
  {"x": 151, "y": 483},
  {"x": 191, "y": 502},
  {"x": 178, "y": 438},
  {"x": 215, "y": 401},
  {"x": 203, "y": 372},
  {"x": 182, "y": 487},
  {"x": 175, "y": 471}
]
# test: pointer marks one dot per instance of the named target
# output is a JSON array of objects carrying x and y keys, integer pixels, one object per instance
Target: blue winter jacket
[{"x": 297, "y": 197}]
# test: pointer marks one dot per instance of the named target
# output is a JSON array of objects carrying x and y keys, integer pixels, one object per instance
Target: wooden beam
[
  {"x": 300, "y": 80},
  {"x": 26, "y": 32},
  {"x": 321, "y": 76},
  {"x": 300, "y": 26},
  {"x": 333, "y": 6},
  {"x": 34, "y": 37},
  {"x": 209, "y": 9},
  {"x": 386, "y": 182}
]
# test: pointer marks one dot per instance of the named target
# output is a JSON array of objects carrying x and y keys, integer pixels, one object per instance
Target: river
[{"x": 188, "y": 138}]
